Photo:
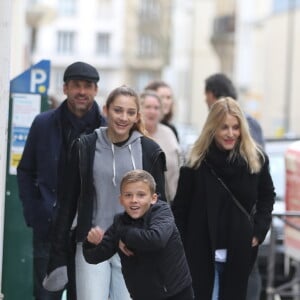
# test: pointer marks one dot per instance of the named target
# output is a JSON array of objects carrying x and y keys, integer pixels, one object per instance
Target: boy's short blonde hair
[{"x": 137, "y": 176}]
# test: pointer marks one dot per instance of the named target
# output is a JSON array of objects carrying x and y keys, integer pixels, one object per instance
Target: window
[
  {"x": 284, "y": 5},
  {"x": 148, "y": 46},
  {"x": 31, "y": 2},
  {"x": 149, "y": 9},
  {"x": 67, "y": 7},
  {"x": 103, "y": 44},
  {"x": 65, "y": 42},
  {"x": 224, "y": 24},
  {"x": 142, "y": 78}
]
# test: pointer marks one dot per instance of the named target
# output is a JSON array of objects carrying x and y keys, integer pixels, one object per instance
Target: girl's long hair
[{"x": 246, "y": 146}]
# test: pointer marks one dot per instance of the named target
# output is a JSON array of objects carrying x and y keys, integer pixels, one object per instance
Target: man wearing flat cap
[{"x": 41, "y": 170}]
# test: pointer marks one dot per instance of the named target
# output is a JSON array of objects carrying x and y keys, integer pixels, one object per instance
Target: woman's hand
[
  {"x": 95, "y": 235},
  {"x": 254, "y": 241}
]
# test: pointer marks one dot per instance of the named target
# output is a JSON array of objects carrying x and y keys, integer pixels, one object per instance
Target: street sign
[
  {"x": 35, "y": 80},
  {"x": 28, "y": 97}
]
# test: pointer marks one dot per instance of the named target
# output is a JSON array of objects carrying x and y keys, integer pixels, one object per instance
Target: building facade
[
  {"x": 192, "y": 59},
  {"x": 258, "y": 47},
  {"x": 181, "y": 41},
  {"x": 127, "y": 41}
]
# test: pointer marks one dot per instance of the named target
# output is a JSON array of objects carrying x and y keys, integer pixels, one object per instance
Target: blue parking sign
[{"x": 34, "y": 80}]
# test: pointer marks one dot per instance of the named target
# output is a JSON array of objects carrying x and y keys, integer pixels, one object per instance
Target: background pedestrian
[
  {"x": 151, "y": 108},
  {"x": 165, "y": 93}
]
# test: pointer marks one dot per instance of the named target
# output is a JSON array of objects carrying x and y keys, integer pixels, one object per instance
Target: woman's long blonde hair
[{"x": 246, "y": 146}]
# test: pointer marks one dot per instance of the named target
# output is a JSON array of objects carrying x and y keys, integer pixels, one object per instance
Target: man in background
[
  {"x": 217, "y": 86},
  {"x": 41, "y": 170}
]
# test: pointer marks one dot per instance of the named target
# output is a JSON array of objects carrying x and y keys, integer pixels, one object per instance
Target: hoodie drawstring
[
  {"x": 114, "y": 162},
  {"x": 114, "y": 165},
  {"x": 132, "y": 158}
]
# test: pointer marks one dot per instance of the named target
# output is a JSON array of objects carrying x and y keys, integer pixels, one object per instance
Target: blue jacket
[
  {"x": 256, "y": 131},
  {"x": 38, "y": 171}
]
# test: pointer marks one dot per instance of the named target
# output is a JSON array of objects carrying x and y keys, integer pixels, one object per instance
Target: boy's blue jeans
[
  {"x": 219, "y": 270},
  {"x": 100, "y": 282}
]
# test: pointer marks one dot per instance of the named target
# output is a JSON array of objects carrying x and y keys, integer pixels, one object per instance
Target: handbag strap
[{"x": 235, "y": 200}]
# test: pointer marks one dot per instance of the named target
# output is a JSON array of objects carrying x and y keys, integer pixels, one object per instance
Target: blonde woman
[{"x": 223, "y": 204}]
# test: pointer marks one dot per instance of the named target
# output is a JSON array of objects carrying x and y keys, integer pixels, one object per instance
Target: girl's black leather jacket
[{"x": 78, "y": 192}]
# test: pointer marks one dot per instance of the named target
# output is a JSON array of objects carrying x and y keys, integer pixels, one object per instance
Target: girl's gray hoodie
[{"x": 110, "y": 164}]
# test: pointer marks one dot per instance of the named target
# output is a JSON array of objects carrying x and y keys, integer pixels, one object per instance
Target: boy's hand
[
  {"x": 95, "y": 235},
  {"x": 124, "y": 249},
  {"x": 254, "y": 241}
]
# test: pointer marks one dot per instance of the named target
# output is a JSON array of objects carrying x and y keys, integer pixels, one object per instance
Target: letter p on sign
[{"x": 37, "y": 78}]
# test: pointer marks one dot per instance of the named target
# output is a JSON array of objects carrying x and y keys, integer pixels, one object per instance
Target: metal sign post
[{"x": 5, "y": 33}]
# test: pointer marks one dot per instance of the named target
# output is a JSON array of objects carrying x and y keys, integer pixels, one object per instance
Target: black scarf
[
  {"x": 231, "y": 169},
  {"x": 73, "y": 127},
  {"x": 227, "y": 167},
  {"x": 234, "y": 172}
]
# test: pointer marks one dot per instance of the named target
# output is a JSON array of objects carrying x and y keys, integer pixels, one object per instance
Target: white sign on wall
[{"x": 24, "y": 109}]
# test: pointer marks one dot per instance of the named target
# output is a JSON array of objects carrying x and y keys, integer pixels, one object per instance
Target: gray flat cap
[{"x": 81, "y": 71}]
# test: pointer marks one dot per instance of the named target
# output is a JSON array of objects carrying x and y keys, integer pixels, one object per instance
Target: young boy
[{"x": 145, "y": 236}]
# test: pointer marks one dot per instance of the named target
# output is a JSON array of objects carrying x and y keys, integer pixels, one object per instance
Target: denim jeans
[
  {"x": 98, "y": 282},
  {"x": 219, "y": 270}
]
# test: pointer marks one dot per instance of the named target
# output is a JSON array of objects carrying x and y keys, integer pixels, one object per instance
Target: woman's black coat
[{"x": 196, "y": 208}]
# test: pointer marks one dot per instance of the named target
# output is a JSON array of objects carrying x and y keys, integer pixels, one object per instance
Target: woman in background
[
  {"x": 165, "y": 93},
  {"x": 151, "y": 108}
]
